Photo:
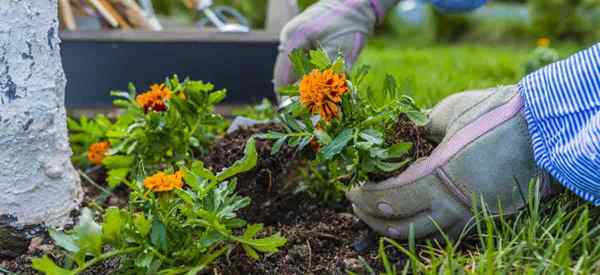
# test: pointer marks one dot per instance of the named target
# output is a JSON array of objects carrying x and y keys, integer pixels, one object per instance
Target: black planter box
[{"x": 97, "y": 62}]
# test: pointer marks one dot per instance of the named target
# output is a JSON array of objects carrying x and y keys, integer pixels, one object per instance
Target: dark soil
[
  {"x": 321, "y": 240},
  {"x": 406, "y": 131}
]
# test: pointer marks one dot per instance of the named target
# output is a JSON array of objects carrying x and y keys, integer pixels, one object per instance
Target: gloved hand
[
  {"x": 484, "y": 152},
  {"x": 333, "y": 24}
]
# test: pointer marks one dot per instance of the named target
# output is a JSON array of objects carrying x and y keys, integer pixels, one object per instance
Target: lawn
[
  {"x": 430, "y": 73},
  {"x": 560, "y": 236}
]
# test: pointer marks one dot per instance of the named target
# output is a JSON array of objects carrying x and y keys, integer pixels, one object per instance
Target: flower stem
[{"x": 104, "y": 257}]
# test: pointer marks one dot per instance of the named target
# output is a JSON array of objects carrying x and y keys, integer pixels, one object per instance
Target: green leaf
[
  {"x": 217, "y": 97},
  {"x": 118, "y": 161},
  {"x": 398, "y": 150},
  {"x": 277, "y": 146},
  {"x": 48, "y": 267},
  {"x": 389, "y": 166},
  {"x": 270, "y": 135},
  {"x": 322, "y": 137},
  {"x": 198, "y": 169},
  {"x": 359, "y": 74},
  {"x": 63, "y": 240},
  {"x": 265, "y": 245},
  {"x": 158, "y": 235},
  {"x": 144, "y": 260},
  {"x": 247, "y": 163},
  {"x": 339, "y": 65},
  {"x": 373, "y": 136},
  {"x": 418, "y": 117},
  {"x": 117, "y": 176},
  {"x": 207, "y": 259},
  {"x": 300, "y": 62},
  {"x": 142, "y": 224},
  {"x": 290, "y": 90},
  {"x": 88, "y": 236},
  {"x": 337, "y": 145},
  {"x": 320, "y": 58},
  {"x": 112, "y": 226}
]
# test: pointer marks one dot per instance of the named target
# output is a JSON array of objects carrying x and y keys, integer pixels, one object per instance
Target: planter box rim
[{"x": 173, "y": 36}]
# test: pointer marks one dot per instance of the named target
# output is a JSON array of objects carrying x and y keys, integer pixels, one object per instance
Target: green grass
[
  {"x": 430, "y": 73},
  {"x": 561, "y": 236}
]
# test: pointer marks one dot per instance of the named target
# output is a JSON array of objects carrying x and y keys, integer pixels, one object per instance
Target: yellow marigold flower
[
  {"x": 162, "y": 182},
  {"x": 543, "y": 42},
  {"x": 97, "y": 152},
  {"x": 320, "y": 92},
  {"x": 155, "y": 98}
]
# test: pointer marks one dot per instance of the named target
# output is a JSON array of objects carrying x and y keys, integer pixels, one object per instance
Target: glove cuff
[{"x": 380, "y": 7}]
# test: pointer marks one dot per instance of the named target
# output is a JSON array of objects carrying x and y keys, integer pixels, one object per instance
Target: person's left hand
[
  {"x": 484, "y": 154},
  {"x": 335, "y": 25}
]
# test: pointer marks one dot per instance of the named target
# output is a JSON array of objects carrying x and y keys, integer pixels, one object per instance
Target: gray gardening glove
[
  {"x": 484, "y": 152},
  {"x": 333, "y": 24}
]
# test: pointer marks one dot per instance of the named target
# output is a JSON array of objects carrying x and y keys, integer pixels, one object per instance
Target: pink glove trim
[
  {"x": 359, "y": 42},
  {"x": 446, "y": 151},
  {"x": 378, "y": 9}
]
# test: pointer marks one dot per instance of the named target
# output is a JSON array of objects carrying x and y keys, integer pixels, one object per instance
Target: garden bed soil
[{"x": 321, "y": 239}]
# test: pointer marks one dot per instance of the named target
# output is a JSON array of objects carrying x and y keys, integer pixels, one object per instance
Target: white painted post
[{"x": 38, "y": 183}]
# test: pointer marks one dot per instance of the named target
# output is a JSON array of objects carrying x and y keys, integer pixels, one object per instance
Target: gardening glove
[
  {"x": 484, "y": 156},
  {"x": 335, "y": 25}
]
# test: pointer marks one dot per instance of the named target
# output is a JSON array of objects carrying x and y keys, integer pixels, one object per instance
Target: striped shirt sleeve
[{"x": 562, "y": 108}]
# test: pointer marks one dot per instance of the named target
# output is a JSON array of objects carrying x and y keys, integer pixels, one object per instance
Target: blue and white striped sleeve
[{"x": 562, "y": 108}]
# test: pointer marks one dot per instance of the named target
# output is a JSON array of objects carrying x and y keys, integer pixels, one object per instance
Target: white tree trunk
[{"x": 37, "y": 181}]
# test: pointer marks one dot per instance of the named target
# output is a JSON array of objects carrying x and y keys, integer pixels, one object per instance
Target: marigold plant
[
  {"x": 162, "y": 182},
  {"x": 97, "y": 152},
  {"x": 179, "y": 232},
  {"x": 344, "y": 123},
  {"x": 321, "y": 92}
]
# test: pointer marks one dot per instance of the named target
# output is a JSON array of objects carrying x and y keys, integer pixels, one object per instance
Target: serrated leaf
[
  {"x": 48, "y": 267},
  {"x": 320, "y": 58},
  {"x": 270, "y": 135},
  {"x": 247, "y": 163},
  {"x": 337, "y": 145}
]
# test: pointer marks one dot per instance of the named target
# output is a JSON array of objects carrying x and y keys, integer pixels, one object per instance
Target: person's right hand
[
  {"x": 335, "y": 25},
  {"x": 484, "y": 154}
]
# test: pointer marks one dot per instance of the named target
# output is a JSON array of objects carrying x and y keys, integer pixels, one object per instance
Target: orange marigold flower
[
  {"x": 162, "y": 182},
  {"x": 543, "y": 42},
  {"x": 97, "y": 152},
  {"x": 155, "y": 98},
  {"x": 321, "y": 92}
]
